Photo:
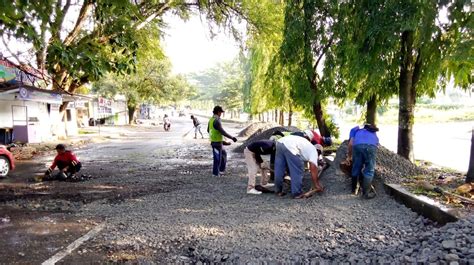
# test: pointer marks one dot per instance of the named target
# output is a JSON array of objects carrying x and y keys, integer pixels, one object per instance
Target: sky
[{"x": 190, "y": 48}]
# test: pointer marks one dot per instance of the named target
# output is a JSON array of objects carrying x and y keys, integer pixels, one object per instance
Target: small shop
[{"x": 27, "y": 112}]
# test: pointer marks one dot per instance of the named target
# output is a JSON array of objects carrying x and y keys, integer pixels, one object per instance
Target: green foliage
[
  {"x": 222, "y": 84},
  {"x": 151, "y": 82},
  {"x": 103, "y": 37}
]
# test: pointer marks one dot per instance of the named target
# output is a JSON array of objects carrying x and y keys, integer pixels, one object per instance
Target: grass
[{"x": 84, "y": 132}]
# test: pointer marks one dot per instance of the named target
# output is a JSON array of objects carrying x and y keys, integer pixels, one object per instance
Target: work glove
[
  {"x": 48, "y": 172},
  {"x": 234, "y": 139}
]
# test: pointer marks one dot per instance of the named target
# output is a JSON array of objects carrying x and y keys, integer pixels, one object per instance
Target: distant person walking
[
  {"x": 197, "y": 127},
  {"x": 166, "y": 122},
  {"x": 363, "y": 144},
  {"x": 216, "y": 135}
]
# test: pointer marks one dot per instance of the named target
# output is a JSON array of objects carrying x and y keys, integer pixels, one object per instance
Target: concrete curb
[{"x": 421, "y": 204}]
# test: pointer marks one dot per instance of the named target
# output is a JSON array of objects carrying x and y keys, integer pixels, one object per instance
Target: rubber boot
[{"x": 366, "y": 188}]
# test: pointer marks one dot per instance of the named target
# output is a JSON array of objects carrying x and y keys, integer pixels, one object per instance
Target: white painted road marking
[{"x": 63, "y": 253}]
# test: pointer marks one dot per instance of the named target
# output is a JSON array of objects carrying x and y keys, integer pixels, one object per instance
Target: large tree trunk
[
  {"x": 470, "y": 171},
  {"x": 276, "y": 116},
  {"x": 131, "y": 113},
  {"x": 371, "y": 113},
  {"x": 318, "y": 114},
  {"x": 282, "y": 118},
  {"x": 409, "y": 75}
]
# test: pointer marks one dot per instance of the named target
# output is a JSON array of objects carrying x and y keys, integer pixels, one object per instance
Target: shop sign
[{"x": 39, "y": 96}]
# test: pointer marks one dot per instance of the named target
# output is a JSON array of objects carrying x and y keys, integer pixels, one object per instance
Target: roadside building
[
  {"x": 108, "y": 111},
  {"x": 29, "y": 113}
]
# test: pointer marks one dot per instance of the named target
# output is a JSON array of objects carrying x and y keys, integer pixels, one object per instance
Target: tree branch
[
  {"x": 10, "y": 51},
  {"x": 160, "y": 11},
  {"x": 86, "y": 7}
]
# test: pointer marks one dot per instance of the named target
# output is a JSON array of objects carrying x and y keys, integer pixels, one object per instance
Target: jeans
[
  {"x": 363, "y": 163},
  {"x": 219, "y": 158},
  {"x": 283, "y": 159}
]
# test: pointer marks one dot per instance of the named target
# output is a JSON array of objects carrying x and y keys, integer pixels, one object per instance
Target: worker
[
  {"x": 293, "y": 151},
  {"x": 67, "y": 163},
  {"x": 321, "y": 140},
  {"x": 362, "y": 146},
  {"x": 216, "y": 135},
  {"x": 197, "y": 126},
  {"x": 253, "y": 158},
  {"x": 166, "y": 122}
]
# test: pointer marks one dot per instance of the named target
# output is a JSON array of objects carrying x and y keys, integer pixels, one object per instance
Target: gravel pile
[
  {"x": 256, "y": 127},
  {"x": 264, "y": 135},
  {"x": 195, "y": 218},
  {"x": 390, "y": 167}
]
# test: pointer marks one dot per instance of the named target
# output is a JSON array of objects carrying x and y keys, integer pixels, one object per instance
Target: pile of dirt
[
  {"x": 390, "y": 167},
  {"x": 23, "y": 152},
  {"x": 264, "y": 135},
  {"x": 256, "y": 127}
]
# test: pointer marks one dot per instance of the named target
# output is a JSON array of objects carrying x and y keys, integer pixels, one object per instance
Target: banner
[{"x": 39, "y": 96}]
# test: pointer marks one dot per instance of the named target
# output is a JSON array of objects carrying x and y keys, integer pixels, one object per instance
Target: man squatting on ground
[
  {"x": 197, "y": 126},
  {"x": 293, "y": 151},
  {"x": 253, "y": 158},
  {"x": 67, "y": 163},
  {"x": 216, "y": 135},
  {"x": 362, "y": 146}
]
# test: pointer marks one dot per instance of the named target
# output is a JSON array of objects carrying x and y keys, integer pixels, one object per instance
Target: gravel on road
[
  {"x": 206, "y": 219},
  {"x": 261, "y": 135},
  {"x": 180, "y": 213}
]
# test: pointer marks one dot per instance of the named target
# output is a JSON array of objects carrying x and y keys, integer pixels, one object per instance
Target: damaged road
[{"x": 155, "y": 195}]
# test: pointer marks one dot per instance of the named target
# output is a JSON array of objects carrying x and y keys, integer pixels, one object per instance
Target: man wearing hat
[
  {"x": 216, "y": 135},
  {"x": 293, "y": 151},
  {"x": 362, "y": 146},
  {"x": 67, "y": 163}
]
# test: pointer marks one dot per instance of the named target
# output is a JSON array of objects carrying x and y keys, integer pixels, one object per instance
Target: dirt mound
[
  {"x": 256, "y": 127},
  {"x": 264, "y": 135},
  {"x": 390, "y": 167}
]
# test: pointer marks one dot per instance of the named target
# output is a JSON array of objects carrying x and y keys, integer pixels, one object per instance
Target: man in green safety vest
[{"x": 216, "y": 135}]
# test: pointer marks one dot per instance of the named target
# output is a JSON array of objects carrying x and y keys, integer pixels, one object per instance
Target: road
[
  {"x": 154, "y": 194},
  {"x": 443, "y": 144}
]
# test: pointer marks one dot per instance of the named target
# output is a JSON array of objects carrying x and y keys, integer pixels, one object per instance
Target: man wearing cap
[
  {"x": 292, "y": 151},
  {"x": 67, "y": 163},
  {"x": 216, "y": 135},
  {"x": 363, "y": 144}
]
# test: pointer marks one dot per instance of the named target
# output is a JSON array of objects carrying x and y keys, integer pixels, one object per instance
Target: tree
[
  {"x": 307, "y": 37},
  {"x": 470, "y": 171},
  {"x": 410, "y": 49},
  {"x": 102, "y": 38},
  {"x": 223, "y": 84},
  {"x": 266, "y": 86},
  {"x": 151, "y": 82}
]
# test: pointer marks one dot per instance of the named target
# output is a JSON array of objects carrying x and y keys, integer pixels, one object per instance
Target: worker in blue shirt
[{"x": 363, "y": 144}]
